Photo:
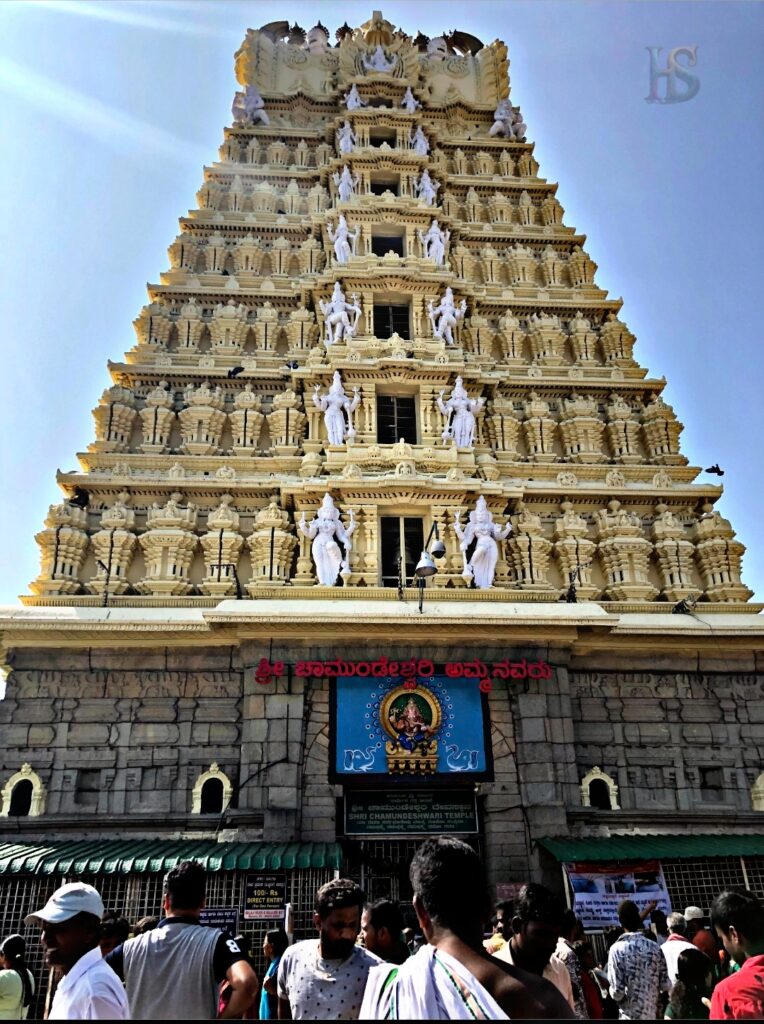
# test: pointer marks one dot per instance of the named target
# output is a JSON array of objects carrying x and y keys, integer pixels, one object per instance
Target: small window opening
[
  {"x": 21, "y": 799},
  {"x": 381, "y": 245},
  {"x": 396, "y": 419},
  {"x": 381, "y": 183},
  {"x": 599, "y": 795},
  {"x": 212, "y": 797},
  {"x": 391, "y": 319},
  {"x": 402, "y": 540},
  {"x": 379, "y": 135}
]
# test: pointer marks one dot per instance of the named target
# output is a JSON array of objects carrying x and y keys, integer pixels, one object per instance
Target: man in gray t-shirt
[
  {"x": 174, "y": 972},
  {"x": 325, "y": 978}
]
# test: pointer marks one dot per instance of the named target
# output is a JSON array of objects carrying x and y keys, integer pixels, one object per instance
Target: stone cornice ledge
[
  {"x": 401, "y": 614},
  {"x": 318, "y": 618}
]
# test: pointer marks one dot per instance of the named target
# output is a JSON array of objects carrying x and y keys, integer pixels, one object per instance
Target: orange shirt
[{"x": 705, "y": 942}]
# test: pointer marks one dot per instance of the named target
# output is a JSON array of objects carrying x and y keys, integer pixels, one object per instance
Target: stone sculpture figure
[
  {"x": 249, "y": 107},
  {"x": 343, "y": 238},
  {"x": 336, "y": 314},
  {"x": 434, "y": 243},
  {"x": 410, "y": 103},
  {"x": 353, "y": 100},
  {"x": 327, "y": 533},
  {"x": 317, "y": 40},
  {"x": 379, "y": 61},
  {"x": 481, "y": 529},
  {"x": 346, "y": 184},
  {"x": 445, "y": 316},
  {"x": 335, "y": 405},
  {"x": 508, "y": 122},
  {"x": 345, "y": 138},
  {"x": 426, "y": 188},
  {"x": 459, "y": 411},
  {"x": 418, "y": 142},
  {"x": 437, "y": 49}
]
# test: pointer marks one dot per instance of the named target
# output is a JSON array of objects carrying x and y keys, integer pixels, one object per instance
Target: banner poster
[
  {"x": 599, "y": 887},
  {"x": 432, "y": 726}
]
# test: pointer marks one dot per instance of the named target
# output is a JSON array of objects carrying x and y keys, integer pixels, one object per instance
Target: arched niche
[
  {"x": 757, "y": 794},
  {"x": 212, "y": 792},
  {"x": 23, "y": 795},
  {"x": 599, "y": 791}
]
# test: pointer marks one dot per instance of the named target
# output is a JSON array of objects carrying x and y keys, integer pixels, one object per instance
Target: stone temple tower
[
  {"x": 377, "y": 218},
  {"x": 379, "y": 367}
]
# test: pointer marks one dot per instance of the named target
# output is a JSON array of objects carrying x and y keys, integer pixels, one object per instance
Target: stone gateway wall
[{"x": 119, "y": 737}]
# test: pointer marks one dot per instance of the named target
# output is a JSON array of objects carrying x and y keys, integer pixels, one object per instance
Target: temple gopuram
[{"x": 383, "y": 531}]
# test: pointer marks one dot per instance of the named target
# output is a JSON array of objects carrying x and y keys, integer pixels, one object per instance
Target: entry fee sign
[{"x": 265, "y": 897}]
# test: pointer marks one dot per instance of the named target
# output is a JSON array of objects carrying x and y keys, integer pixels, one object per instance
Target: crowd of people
[{"x": 365, "y": 963}]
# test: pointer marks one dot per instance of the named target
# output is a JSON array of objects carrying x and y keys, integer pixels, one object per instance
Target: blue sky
[{"x": 109, "y": 109}]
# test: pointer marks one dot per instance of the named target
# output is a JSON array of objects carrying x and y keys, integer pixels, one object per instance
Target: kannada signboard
[
  {"x": 265, "y": 897},
  {"x": 598, "y": 888},
  {"x": 409, "y": 812},
  {"x": 225, "y": 918}
]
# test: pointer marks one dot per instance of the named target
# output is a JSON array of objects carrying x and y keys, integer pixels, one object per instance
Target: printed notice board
[
  {"x": 265, "y": 896},
  {"x": 225, "y": 918}
]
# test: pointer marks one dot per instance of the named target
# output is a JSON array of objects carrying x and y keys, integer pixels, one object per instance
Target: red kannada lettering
[{"x": 410, "y": 670}]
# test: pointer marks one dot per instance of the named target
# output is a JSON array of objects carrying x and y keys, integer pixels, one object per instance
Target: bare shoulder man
[{"x": 453, "y": 977}]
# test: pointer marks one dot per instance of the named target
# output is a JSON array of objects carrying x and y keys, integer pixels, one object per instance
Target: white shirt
[
  {"x": 319, "y": 989},
  {"x": 671, "y": 949},
  {"x": 90, "y": 991},
  {"x": 555, "y": 971}
]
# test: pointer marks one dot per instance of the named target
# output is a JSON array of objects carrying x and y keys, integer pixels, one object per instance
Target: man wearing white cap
[
  {"x": 89, "y": 989},
  {"x": 697, "y": 932}
]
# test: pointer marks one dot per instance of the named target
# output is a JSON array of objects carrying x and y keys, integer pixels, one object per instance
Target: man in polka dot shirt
[{"x": 325, "y": 978}]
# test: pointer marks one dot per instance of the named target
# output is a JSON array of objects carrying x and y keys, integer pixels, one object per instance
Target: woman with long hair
[
  {"x": 690, "y": 995},
  {"x": 16, "y": 981},
  {"x": 274, "y": 947}
]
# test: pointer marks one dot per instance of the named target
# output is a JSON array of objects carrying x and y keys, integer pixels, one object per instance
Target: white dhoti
[{"x": 431, "y": 985}]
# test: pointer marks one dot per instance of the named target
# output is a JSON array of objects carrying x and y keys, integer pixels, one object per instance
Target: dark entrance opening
[{"x": 21, "y": 799}]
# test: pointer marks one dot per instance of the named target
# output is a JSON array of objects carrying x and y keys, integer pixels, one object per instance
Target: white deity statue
[
  {"x": 437, "y": 49},
  {"x": 508, "y": 122},
  {"x": 482, "y": 529},
  {"x": 426, "y": 188},
  {"x": 445, "y": 316},
  {"x": 353, "y": 99},
  {"x": 346, "y": 184},
  {"x": 343, "y": 238},
  {"x": 459, "y": 411},
  {"x": 335, "y": 404},
  {"x": 434, "y": 243},
  {"x": 336, "y": 313},
  {"x": 379, "y": 61},
  {"x": 410, "y": 103},
  {"x": 327, "y": 533},
  {"x": 249, "y": 107},
  {"x": 317, "y": 40},
  {"x": 345, "y": 138},
  {"x": 418, "y": 142}
]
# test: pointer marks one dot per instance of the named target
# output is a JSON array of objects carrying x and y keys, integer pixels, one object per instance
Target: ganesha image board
[{"x": 409, "y": 729}]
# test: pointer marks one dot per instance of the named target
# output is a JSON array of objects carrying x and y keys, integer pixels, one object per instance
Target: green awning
[
  {"x": 147, "y": 856},
  {"x": 647, "y": 847}
]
